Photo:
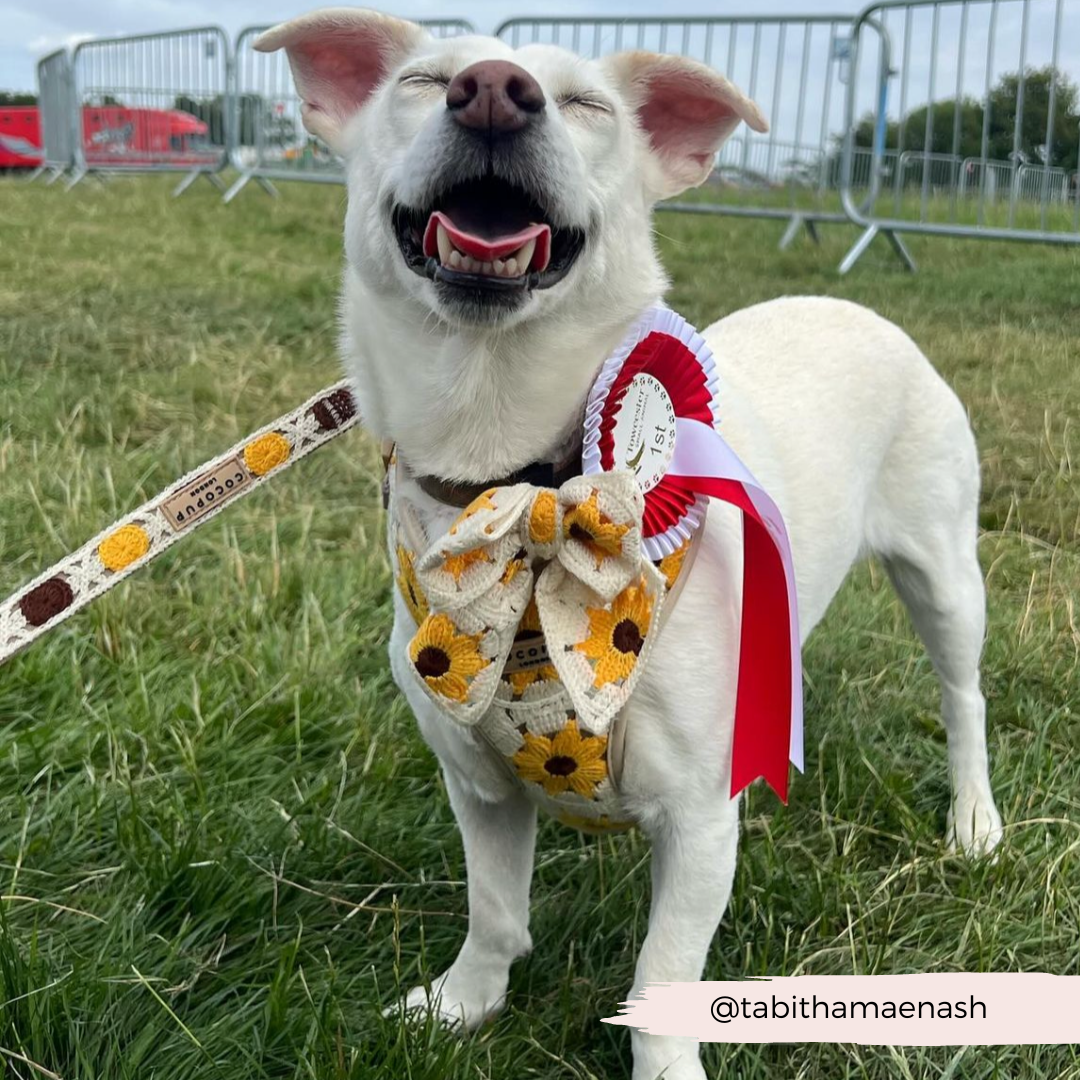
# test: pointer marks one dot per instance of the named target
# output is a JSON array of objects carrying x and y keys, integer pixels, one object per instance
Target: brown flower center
[
  {"x": 578, "y": 532},
  {"x": 560, "y": 765},
  {"x": 432, "y": 662},
  {"x": 626, "y": 637}
]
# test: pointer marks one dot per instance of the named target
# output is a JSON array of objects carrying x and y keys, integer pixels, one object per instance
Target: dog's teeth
[
  {"x": 455, "y": 258},
  {"x": 511, "y": 267},
  {"x": 446, "y": 246},
  {"x": 485, "y": 268},
  {"x": 466, "y": 263},
  {"x": 498, "y": 266},
  {"x": 524, "y": 255}
]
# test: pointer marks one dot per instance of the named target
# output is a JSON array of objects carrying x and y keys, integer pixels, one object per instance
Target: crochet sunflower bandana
[{"x": 596, "y": 593}]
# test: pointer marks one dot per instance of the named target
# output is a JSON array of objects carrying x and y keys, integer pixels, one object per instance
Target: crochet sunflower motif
[
  {"x": 515, "y": 566},
  {"x": 567, "y": 761},
  {"x": 481, "y": 502},
  {"x": 447, "y": 661},
  {"x": 458, "y": 564},
  {"x": 595, "y": 530},
  {"x": 411, "y": 593},
  {"x": 616, "y": 635},
  {"x": 543, "y": 517},
  {"x": 671, "y": 565}
]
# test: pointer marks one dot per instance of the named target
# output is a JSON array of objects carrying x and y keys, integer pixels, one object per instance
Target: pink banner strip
[{"x": 938, "y": 1009}]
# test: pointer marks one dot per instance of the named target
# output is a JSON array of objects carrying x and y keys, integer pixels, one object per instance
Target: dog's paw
[
  {"x": 455, "y": 1000},
  {"x": 973, "y": 825}
]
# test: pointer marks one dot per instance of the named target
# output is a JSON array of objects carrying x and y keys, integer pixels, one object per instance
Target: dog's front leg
[
  {"x": 499, "y": 838},
  {"x": 693, "y": 865}
]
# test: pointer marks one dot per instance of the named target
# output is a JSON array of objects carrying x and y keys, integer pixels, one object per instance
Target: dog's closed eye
[
  {"x": 583, "y": 101},
  {"x": 425, "y": 79}
]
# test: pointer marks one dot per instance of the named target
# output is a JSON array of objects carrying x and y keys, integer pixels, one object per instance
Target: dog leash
[{"x": 192, "y": 501}]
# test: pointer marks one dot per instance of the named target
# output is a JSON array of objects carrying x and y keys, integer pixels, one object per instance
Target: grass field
[{"x": 224, "y": 848}]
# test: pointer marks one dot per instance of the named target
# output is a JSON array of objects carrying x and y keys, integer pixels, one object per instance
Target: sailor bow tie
[{"x": 575, "y": 551}]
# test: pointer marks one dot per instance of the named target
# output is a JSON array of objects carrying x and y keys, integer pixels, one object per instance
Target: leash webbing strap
[{"x": 142, "y": 535}]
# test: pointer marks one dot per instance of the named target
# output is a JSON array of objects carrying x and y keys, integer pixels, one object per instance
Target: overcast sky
[{"x": 32, "y": 28}]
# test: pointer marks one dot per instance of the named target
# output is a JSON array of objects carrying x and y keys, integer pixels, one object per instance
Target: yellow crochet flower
[
  {"x": 447, "y": 660},
  {"x": 411, "y": 593},
  {"x": 481, "y": 502},
  {"x": 542, "y": 518},
  {"x": 671, "y": 565},
  {"x": 565, "y": 762},
  {"x": 595, "y": 530},
  {"x": 514, "y": 567},
  {"x": 458, "y": 564},
  {"x": 616, "y": 636}
]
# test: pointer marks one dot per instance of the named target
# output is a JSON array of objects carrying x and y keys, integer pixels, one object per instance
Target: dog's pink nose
[{"x": 494, "y": 96}]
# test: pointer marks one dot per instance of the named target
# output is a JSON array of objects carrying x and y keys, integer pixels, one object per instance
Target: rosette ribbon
[
  {"x": 585, "y": 538},
  {"x": 664, "y": 349}
]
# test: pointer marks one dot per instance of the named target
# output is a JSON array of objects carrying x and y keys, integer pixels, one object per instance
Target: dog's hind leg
[
  {"x": 693, "y": 866},
  {"x": 499, "y": 840},
  {"x": 924, "y": 527}
]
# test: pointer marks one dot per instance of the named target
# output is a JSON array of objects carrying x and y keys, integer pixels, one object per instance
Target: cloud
[{"x": 47, "y": 43}]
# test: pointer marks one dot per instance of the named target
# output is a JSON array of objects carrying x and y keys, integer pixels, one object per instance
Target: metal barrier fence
[
  {"x": 917, "y": 116},
  {"x": 794, "y": 67},
  {"x": 979, "y": 143},
  {"x": 153, "y": 103},
  {"x": 269, "y": 140},
  {"x": 57, "y": 111}
]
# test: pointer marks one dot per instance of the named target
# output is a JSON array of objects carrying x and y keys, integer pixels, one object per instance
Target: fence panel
[
  {"x": 793, "y": 67},
  {"x": 982, "y": 127},
  {"x": 56, "y": 104},
  {"x": 269, "y": 138},
  {"x": 153, "y": 103}
]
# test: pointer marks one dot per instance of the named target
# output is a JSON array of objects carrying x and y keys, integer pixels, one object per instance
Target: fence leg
[
  {"x": 238, "y": 185},
  {"x": 860, "y": 245},
  {"x": 268, "y": 187},
  {"x": 215, "y": 180},
  {"x": 35, "y": 174},
  {"x": 186, "y": 183},
  {"x": 791, "y": 231},
  {"x": 901, "y": 250},
  {"x": 54, "y": 175},
  {"x": 798, "y": 221},
  {"x": 76, "y": 177}
]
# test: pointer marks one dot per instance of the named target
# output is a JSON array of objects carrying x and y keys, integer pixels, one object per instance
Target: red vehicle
[
  {"x": 20, "y": 137},
  {"x": 113, "y": 136},
  {"x": 120, "y": 136}
]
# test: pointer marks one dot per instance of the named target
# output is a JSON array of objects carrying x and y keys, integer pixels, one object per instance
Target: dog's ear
[
  {"x": 339, "y": 56},
  {"x": 685, "y": 110}
]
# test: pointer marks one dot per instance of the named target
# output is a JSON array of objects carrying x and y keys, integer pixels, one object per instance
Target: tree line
[{"x": 956, "y": 126}]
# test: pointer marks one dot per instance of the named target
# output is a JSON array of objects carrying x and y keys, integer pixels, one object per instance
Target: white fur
[{"x": 835, "y": 410}]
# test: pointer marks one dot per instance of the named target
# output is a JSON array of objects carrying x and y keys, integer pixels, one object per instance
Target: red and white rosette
[{"x": 653, "y": 410}]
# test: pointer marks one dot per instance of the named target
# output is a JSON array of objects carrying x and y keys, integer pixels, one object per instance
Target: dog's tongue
[{"x": 487, "y": 249}]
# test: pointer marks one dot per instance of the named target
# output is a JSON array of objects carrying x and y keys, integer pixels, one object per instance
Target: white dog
[{"x": 499, "y": 248}]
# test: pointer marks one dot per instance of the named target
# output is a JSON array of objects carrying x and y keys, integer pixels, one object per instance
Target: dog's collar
[
  {"x": 460, "y": 494},
  {"x": 538, "y": 473}
]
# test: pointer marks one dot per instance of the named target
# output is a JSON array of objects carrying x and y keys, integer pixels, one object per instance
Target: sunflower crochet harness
[{"x": 535, "y": 615}]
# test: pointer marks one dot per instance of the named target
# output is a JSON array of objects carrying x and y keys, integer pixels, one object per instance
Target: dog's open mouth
[{"x": 487, "y": 235}]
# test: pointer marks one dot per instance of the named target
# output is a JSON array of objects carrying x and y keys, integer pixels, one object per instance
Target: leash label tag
[{"x": 206, "y": 492}]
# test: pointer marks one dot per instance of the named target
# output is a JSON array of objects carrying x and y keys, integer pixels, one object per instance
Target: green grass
[{"x": 223, "y": 846}]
